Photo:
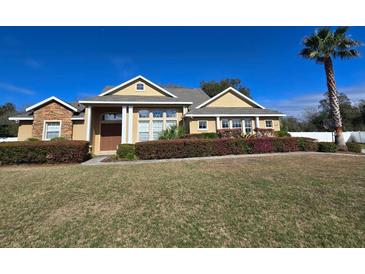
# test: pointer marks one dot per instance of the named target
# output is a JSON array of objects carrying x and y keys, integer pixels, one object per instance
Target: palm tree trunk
[{"x": 335, "y": 106}]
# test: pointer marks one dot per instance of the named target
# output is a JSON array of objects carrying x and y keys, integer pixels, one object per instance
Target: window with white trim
[
  {"x": 151, "y": 122},
  {"x": 248, "y": 125},
  {"x": 171, "y": 113},
  {"x": 52, "y": 130},
  {"x": 157, "y": 128},
  {"x": 143, "y": 130},
  {"x": 225, "y": 123},
  {"x": 157, "y": 113},
  {"x": 112, "y": 117},
  {"x": 143, "y": 113},
  {"x": 268, "y": 123},
  {"x": 236, "y": 123},
  {"x": 202, "y": 124},
  {"x": 140, "y": 87}
]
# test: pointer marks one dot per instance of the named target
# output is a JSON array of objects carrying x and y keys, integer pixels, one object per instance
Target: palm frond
[
  {"x": 340, "y": 31},
  {"x": 325, "y": 43},
  {"x": 346, "y": 54}
]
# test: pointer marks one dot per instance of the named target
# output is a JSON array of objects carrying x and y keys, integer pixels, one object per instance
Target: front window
[
  {"x": 143, "y": 131},
  {"x": 157, "y": 127},
  {"x": 112, "y": 117},
  {"x": 140, "y": 87},
  {"x": 171, "y": 113},
  {"x": 225, "y": 123},
  {"x": 157, "y": 113},
  {"x": 143, "y": 113},
  {"x": 236, "y": 123},
  {"x": 248, "y": 126},
  {"x": 203, "y": 124},
  {"x": 52, "y": 130},
  {"x": 268, "y": 123},
  {"x": 170, "y": 123}
]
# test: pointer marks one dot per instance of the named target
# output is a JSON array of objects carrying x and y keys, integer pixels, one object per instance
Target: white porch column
[
  {"x": 130, "y": 124},
  {"x": 257, "y": 122},
  {"x": 243, "y": 124},
  {"x": 218, "y": 122},
  {"x": 88, "y": 124},
  {"x": 124, "y": 124},
  {"x": 185, "y": 110}
]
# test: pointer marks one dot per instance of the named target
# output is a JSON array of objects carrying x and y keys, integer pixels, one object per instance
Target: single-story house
[{"x": 139, "y": 110}]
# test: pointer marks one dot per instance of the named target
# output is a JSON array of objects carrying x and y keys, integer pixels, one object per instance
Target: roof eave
[{"x": 134, "y": 103}]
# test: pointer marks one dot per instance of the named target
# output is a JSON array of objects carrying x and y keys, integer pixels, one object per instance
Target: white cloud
[
  {"x": 295, "y": 106},
  {"x": 13, "y": 88}
]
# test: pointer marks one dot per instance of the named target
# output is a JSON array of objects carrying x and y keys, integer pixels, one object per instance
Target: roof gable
[
  {"x": 230, "y": 97},
  {"x": 153, "y": 89},
  {"x": 49, "y": 99}
]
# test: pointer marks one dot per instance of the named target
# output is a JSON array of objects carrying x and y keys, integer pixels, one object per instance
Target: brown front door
[{"x": 110, "y": 136}]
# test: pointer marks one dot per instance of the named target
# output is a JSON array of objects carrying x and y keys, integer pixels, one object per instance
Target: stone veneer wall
[{"x": 52, "y": 111}]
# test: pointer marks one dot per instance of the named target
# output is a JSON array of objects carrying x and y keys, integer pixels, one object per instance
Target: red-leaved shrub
[
  {"x": 43, "y": 152},
  {"x": 264, "y": 132},
  {"x": 184, "y": 148},
  {"x": 229, "y": 133}
]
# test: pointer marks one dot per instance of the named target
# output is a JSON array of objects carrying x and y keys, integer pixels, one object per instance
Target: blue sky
[{"x": 76, "y": 62}]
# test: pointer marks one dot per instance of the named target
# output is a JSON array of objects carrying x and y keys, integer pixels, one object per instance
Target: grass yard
[{"x": 279, "y": 201}]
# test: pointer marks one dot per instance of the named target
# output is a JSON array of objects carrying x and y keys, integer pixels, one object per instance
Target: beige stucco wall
[
  {"x": 229, "y": 100},
  {"x": 131, "y": 90},
  {"x": 79, "y": 130},
  {"x": 275, "y": 122},
  {"x": 194, "y": 125},
  {"x": 25, "y": 130}
]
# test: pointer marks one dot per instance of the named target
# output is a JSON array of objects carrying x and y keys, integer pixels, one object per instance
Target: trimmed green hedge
[
  {"x": 354, "y": 147},
  {"x": 206, "y": 135},
  {"x": 185, "y": 148},
  {"x": 126, "y": 151},
  {"x": 30, "y": 152},
  {"x": 327, "y": 147}
]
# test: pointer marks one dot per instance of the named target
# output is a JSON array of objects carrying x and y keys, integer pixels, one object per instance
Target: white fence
[
  {"x": 8, "y": 139},
  {"x": 350, "y": 136}
]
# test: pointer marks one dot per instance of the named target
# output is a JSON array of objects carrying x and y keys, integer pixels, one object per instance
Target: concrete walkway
[{"x": 97, "y": 160}]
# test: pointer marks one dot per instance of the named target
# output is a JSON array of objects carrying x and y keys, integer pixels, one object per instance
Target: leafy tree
[
  {"x": 212, "y": 88},
  {"x": 290, "y": 123},
  {"x": 7, "y": 128},
  {"x": 322, "y": 46}
]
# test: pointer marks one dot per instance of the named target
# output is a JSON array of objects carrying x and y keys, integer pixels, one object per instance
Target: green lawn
[{"x": 279, "y": 201}]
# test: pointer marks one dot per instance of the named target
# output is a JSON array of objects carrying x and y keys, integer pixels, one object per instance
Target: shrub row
[
  {"x": 354, "y": 147},
  {"x": 229, "y": 133},
  {"x": 126, "y": 151},
  {"x": 184, "y": 148},
  {"x": 207, "y": 135},
  {"x": 327, "y": 147},
  {"x": 44, "y": 152}
]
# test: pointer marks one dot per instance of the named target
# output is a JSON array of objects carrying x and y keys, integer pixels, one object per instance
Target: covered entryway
[{"x": 110, "y": 136}]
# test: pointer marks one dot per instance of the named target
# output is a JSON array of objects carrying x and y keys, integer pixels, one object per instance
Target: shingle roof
[
  {"x": 233, "y": 111},
  {"x": 23, "y": 114},
  {"x": 134, "y": 98},
  {"x": 196, "y": 95}
]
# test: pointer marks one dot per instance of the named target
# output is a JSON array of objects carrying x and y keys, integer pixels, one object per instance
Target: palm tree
[{"x": 322, "y": 46}]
